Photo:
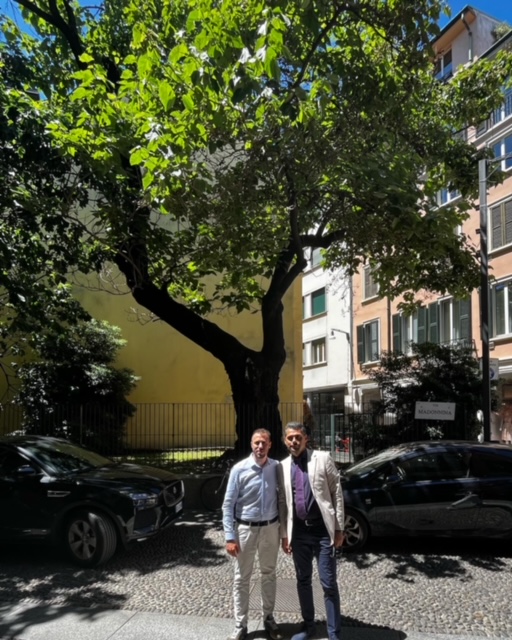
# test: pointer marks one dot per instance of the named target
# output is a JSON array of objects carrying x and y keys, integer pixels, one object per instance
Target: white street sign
[{"x": 434, "y": 411}]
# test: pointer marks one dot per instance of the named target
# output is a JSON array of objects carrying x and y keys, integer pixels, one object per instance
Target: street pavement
[
  {"x": 178, "y": 586},
  {"x": 31, "y": 621}
]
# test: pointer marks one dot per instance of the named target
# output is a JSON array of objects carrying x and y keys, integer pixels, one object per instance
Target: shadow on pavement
[{"x": 433, "y": 557}]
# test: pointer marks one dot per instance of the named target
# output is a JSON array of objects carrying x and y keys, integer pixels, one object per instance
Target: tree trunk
[
  {"x": 254, "y": 375},
  {"x": 254, "y": 383}
]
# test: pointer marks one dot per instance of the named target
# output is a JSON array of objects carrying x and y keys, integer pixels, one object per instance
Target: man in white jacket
[{"x": 313, "y": 527}]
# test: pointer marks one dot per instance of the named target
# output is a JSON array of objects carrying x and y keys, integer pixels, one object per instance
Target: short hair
[
  {"x": 296, "y": 426},
  {"x": 262, "y": 432}
]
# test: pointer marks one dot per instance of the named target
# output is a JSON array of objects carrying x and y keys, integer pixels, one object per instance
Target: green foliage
[
  {"x": 432, "y": 373},
  {"x": 73, "y": 390},
  {"x": 39, "y": 240}
]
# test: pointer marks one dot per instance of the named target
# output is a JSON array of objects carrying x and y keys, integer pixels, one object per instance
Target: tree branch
[{"x": 68, "y": 30}]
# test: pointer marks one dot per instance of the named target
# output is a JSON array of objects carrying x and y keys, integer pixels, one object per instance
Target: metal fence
[
  {"x": 353, "y": 436},
  {"x": 174, "y": 434},
  {"x": 173, "y": 430}
]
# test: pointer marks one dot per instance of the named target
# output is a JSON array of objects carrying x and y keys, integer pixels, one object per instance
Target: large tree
[{"x": 229, "y": 138}]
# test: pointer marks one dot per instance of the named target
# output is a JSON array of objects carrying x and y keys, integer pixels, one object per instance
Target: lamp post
[{"x": 484, "y": 301}]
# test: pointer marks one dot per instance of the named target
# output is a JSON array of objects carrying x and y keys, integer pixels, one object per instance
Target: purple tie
[{"x": 300, "y": 502}]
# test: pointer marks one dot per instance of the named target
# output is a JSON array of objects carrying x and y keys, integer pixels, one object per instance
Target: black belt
[
  {"x": 262, "y": 523},
  {"x": 312, "y": 522}
]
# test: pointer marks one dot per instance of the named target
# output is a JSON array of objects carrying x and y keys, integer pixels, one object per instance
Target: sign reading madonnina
[{"x": 434, "y": 411}]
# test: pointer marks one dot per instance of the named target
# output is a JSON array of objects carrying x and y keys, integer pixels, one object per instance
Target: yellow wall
[{"x": 172, "y": 369}]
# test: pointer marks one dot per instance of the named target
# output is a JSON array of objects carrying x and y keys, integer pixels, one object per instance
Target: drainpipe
[{"x": 470, "y": 34}]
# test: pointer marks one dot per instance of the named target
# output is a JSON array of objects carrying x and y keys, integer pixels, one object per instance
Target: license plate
[{"x": 179, "y": 507}]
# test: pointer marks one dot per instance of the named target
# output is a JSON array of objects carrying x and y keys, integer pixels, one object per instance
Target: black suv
[{"x": 51, "y": 489}]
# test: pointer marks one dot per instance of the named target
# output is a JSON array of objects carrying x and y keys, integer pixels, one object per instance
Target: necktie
[{"x": 300, "y": 501}]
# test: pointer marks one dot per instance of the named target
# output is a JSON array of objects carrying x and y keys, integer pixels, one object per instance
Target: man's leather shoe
[
  {"x": 272, "y": 629},
  {"x": 307, "y": 633}
]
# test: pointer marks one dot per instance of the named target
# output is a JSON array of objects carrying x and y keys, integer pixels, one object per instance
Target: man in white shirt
[{"x": 251, "y": 509}]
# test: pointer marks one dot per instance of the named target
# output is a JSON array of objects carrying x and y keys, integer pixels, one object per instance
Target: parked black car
[
  {"x": 439, "y": 488},
  {"x": 53, "y": 490}
]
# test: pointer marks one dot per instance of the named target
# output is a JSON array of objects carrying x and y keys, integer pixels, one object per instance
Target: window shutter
[
  {"x": 496, "y": 239},
  {"x": 360, "y": 343},
  {"x": 422, "y": 325},
  {"x": 492, "y": 311},
  {"x": 433, "y": 323},
  {"x": 397, "y": 332},
  {"x": 465, "y": 319},
  {"x": 508, "y": 222},
  {"x": 374, "y": 341}
]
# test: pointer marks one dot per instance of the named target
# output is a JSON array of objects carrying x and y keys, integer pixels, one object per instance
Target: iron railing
[{"x": 175, "y": 435}]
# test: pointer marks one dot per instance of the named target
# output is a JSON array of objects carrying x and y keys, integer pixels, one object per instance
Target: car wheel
[
  {"x": 90, "y": 538},
  {"x": 356, "y": 531}
]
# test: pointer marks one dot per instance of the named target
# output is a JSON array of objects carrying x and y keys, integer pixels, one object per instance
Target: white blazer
[{"x": 325, "y": 485}]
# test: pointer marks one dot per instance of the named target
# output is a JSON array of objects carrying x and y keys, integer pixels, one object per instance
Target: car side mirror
[
  {"x": 26, "y": 470},
  {"x": 392, "y": 480}
]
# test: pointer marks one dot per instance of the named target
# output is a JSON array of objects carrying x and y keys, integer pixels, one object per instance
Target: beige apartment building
[{"x": 378, "y": 324}]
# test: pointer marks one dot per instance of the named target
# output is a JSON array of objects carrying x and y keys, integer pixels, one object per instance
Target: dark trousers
[{"x": 309, "y": 543}]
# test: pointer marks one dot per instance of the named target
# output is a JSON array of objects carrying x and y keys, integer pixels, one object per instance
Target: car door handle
[{"x": 467, "y": 500}]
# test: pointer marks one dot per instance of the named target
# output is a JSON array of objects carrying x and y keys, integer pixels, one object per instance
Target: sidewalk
[{"x": 43, "y": 622}]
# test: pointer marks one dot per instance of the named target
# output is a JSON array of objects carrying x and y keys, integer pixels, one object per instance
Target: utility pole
[{"x": 484, "y": 301}]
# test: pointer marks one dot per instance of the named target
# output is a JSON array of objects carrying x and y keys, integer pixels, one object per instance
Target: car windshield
[
  {"x": 60, "y": 457},
  {"x": 370, "y": 464}
]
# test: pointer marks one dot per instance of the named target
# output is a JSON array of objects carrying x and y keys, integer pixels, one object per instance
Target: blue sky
[{"x": 501, "y": 9}]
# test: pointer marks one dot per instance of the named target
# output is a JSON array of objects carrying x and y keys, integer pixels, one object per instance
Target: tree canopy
[{"x": 228, "y": 139}]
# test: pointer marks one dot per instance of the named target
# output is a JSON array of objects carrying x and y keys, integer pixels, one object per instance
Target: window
[
  {"x": 427, "y": 466},
  {"x": 444, "y": 66},
  {"x": 318, "y": 351},
  {"x": 10, "y": 461},
  {"x": 313, "y": 304},
  {"x": 453, "y": 321},
  {"x": 501, "y": 309},
  {"x": 447, "y": 195},
  {"x": 501, "y": 224},
  {"x": 407, "y": 329},
  {"x": 318, "y": 302},
  {"x": 370, "y": 287},
  {"x": 316, "y": 257},
  {"x": 503, "y": 150},
  {"x": 368, "y": 341},
  {"x": 505, "y": 110},
  {"x": 442, "y": 322}
]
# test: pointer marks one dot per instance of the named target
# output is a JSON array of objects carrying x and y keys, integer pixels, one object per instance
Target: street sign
[
  {"x": 434, "y": 411},
  {"x": 494, "y": 369}
]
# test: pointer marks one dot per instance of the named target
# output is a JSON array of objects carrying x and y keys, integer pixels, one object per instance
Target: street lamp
[
  {"x": 333, "y": 337},
  {"x": 484, "y": 300}
]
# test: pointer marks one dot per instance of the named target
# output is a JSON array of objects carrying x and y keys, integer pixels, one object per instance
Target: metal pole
[
  {"x": 333, "y": 443},
  {"x": 484, "y": 301}
]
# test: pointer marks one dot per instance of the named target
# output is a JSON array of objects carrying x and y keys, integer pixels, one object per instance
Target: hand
[
  {"x": 339, "y": 538},
  {"x": 232, "y": 548},
  {"x": 287, "y": 548}
]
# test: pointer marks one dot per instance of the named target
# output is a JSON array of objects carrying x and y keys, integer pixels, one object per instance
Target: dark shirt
[{"x": 312, "y": 508}]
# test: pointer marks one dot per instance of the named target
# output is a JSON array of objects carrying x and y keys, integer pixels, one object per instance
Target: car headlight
[{"x": 142, "y": 500}]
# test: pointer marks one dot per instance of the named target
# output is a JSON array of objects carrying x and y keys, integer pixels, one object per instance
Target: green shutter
[
  {"x": 360, "y": 343},
  {"x": 433, "y": 323},
  {"x": 422, "y": 325},
  {"x": 496, "y": 235},
  {"x": 397, "y": 332},
  {"x": 465, "y": 319}
]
